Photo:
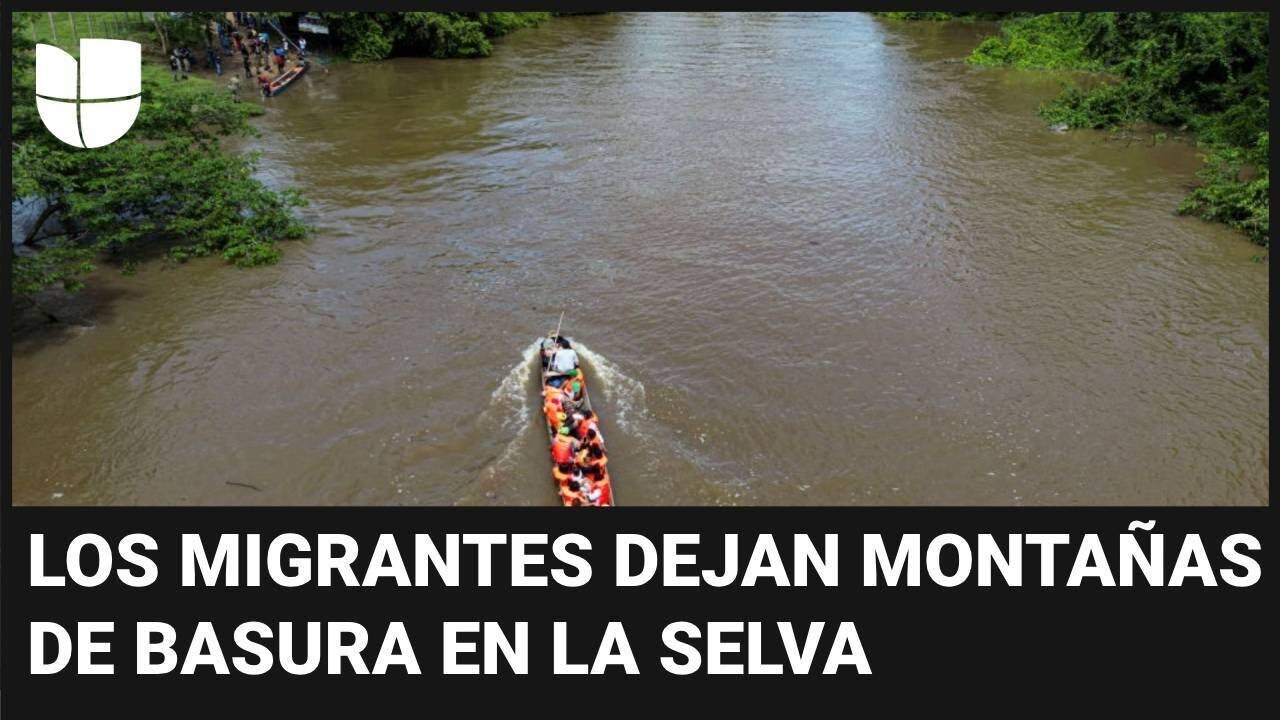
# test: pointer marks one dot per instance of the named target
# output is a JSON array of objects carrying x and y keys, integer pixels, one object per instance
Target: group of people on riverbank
[
  {"x": 260, "y": 59},
  {"x": 579, "y": 461},
  {"x": 180, "y": 61}
]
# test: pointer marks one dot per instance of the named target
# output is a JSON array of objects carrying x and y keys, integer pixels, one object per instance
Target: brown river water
[{"x": 812, "y": 260}]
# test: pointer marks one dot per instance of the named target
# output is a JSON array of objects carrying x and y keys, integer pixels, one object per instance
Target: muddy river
[{"x": 811, "y": 260}]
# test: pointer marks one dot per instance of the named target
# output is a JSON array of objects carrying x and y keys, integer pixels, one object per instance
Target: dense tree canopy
[
  {"x": 365, "y": 36},
  {"x": 1205, "y": 72},
  {"x": 166, "y": 181}
]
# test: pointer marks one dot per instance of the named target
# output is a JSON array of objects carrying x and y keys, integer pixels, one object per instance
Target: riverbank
[
  {"x": 167, "y": 186},
  {"x": 1204, "y": 73},
  {"x": 74, "y": 212}
]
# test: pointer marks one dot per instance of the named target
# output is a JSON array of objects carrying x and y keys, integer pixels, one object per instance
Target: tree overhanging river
[{"x": 813, "y": 260}]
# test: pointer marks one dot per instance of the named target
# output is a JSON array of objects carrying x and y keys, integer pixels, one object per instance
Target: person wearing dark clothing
[
  {"x": 244, "y": 55},
  {"x": 178, "y": 63}
]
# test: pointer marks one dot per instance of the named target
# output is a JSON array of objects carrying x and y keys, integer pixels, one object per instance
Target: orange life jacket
[
  {"x": 562, "y": 478},
  {"x": 606, "y": 491},
  {"x": 571, "y": 497},
  {"x": 583, "y": 427},
  {"x": 562, "y": 449},
  {"x": 553, "y": 408}
]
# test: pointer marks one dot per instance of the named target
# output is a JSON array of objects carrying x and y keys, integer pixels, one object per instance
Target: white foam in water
[
  {"x": 511, "y": 408},
  {"x": 623, "y": 393},
  {"x": 625, "y": 403},
  {"x": 513, "y": 392},
  {"x": 510, "y": 402}
]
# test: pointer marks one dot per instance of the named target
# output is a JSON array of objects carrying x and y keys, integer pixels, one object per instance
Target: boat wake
[
  {"x": 510, "y": 412},
  {"x": 624, "y": 394},
  {"x": 653, "y": 445},
  {"x": 511, "y": 398},
  {"x": 513, "y": 415},
  {"x": 510, "y": 406}
]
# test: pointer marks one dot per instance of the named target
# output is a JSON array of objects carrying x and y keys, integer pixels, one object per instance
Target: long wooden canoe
[
  {"x": 282, "y": 81},
  {"x": 607, "y": 498}
]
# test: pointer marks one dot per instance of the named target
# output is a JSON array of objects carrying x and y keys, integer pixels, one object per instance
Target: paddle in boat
[
  {"x": 579, "y": 463},
  {"x": 282, "y": 81}
]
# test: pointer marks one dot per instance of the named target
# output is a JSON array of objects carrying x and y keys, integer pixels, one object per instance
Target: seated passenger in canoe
[
  {"x": 553, "y": 407},
  {"x": 591, "y": 439},
  {"x": 563, "y": 447},
  {"x": 598, "y": 480},
  {"x": 596, "y": 476},
  {"x": 591, "y": 456},
  {"x": 592, "y": 493},
  {"x": 572, "y": 493},
  {"x": 587, "y": 428},
  {"x": 564, "y": 359},
  {"x": 562, "y": 473},
  {"x": 574, "y": 386}
]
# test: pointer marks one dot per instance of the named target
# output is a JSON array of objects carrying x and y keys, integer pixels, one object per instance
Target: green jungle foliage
[
  {"x": 945, "y": 15},
  {"x": 1198, "y": 71},
  {"x": 167, "y": 183},
  {"x": 367, "y": 36}
]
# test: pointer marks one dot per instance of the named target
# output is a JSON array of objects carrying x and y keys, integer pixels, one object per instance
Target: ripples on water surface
[{"x": 814, "y": 260}]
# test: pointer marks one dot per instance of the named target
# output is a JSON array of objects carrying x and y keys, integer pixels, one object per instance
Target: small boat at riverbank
[
  {"x": 587, "y": 482},
  {"x": 282, "y": 81}
]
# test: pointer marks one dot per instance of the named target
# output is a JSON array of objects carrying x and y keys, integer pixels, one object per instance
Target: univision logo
[{"x": 94, "y": 102}]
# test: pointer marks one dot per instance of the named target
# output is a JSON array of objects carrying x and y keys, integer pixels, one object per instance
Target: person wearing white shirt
[{"x": 565, "y": 359}]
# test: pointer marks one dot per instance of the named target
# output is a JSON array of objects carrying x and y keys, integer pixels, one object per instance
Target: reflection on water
[{"x": 814, "y": 260}]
